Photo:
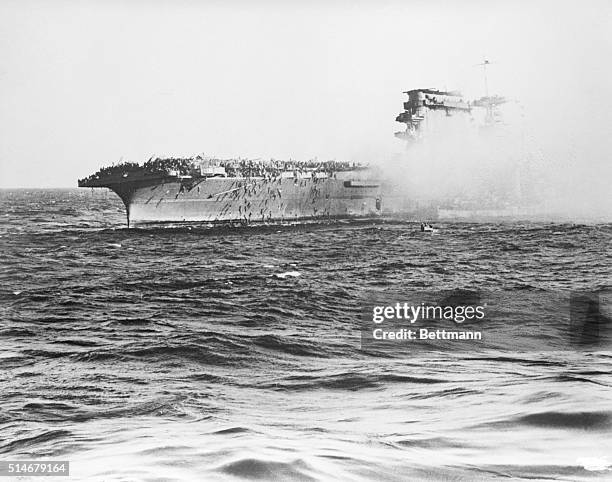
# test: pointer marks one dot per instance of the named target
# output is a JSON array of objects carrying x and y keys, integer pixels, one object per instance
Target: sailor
[{"x": 422, "y": 227}]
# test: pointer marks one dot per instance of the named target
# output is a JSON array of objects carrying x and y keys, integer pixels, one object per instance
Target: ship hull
[{"x": 247, "y": 200}]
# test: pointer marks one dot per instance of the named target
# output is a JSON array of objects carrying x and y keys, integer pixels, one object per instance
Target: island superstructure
[
  {"x": 418, "y": 106},
  {"x": 508, "y": 192},
  {"x": 229, "y": 191},
  {"x": 424, "y": 105}
]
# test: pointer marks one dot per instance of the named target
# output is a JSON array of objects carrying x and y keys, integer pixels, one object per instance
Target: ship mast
[
  {"x": 489, "y": 102},
  {"x": 484, "y": 64}
]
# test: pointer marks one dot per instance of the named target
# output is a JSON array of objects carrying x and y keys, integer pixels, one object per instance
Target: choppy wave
[{"x": 229, "y": 354}]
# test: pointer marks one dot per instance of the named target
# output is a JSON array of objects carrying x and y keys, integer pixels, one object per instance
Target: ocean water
[{"x": 231, "y": 354}]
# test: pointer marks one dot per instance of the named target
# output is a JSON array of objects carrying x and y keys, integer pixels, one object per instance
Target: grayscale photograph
[{"x": 326, "y": 240}]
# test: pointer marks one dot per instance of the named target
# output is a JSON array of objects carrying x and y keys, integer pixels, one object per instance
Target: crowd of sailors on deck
[
  {"x": 274, "y": 168},
  {"x": 233, "y": 167}
]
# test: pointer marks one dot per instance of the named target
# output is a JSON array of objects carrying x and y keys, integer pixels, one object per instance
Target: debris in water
[{"x": 293, "y": 274}]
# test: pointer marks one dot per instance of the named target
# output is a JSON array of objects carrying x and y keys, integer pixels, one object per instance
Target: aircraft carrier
[
  {"x": 212, "y": 191},
  {"x": 206, "y": 190},
  {"x": 239, "y": 191}
]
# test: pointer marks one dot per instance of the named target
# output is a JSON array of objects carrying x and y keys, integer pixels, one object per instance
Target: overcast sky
[{"x": 85, "y": 83}]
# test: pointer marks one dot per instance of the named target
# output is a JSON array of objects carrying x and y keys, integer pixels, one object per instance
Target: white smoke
[{"x": 528, "y": 159}]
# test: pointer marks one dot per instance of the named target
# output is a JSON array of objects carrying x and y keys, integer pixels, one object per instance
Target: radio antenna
[{"x": 484, "y": 64}]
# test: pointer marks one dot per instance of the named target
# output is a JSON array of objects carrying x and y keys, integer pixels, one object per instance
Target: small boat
[{"x": 427, "y": 228}]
